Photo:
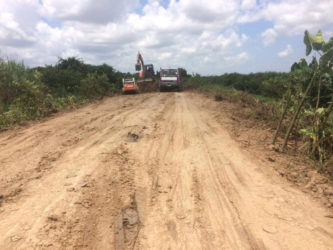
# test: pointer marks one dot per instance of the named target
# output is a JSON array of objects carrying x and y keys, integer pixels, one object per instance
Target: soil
[
  {"x": 147, "y": 85},
  {"x": 255, "y": 135},
  {"x": 156, "y": 171}
]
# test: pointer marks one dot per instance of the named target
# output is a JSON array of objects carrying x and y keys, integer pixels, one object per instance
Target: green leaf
[
  {"x": 317, "y": 41},
  {"x": 328, "y": 45},
  {"x": 307, "y": 132},
  {"x": 313, "y": 64},
  {"x": 307, "y": 42},
  {"x": 326, "y": 75},
  {"x": 294, "y": 67},
  {"x": 326, "y": 59},
  {"x": 302, "y": 64},
  {"x": 320, "y": 111},
  {"x": 308, "y": 112},
  {"x": 313, "y": 42}
]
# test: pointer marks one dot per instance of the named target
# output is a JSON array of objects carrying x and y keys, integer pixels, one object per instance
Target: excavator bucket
[{"x": 137, "y": 66}]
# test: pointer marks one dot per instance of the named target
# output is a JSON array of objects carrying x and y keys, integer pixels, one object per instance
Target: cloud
[
  {"x": 17, "y": 21},
  {"x": 248, "y": 4},
  {"x": 269, "y": 36},
  {"x": 293, "y": 17},
  {"x": 11, "y": 33},
  {"x": 88, "y": 11},
  {"x": 286, "y": 52},
  {"x": 205, "y": 37},
  {"x": 239, "y": 58},
  {"x": 224, "y": 12}
]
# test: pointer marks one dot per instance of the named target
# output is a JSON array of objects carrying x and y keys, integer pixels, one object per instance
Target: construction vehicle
[
  {"x": 170, "y": 80},
  {"x": 130, "y": 86},
  {"x": 146, "y": 80}
]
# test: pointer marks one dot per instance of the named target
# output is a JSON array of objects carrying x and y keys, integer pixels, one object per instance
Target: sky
[{"x": 209, "y": 37}]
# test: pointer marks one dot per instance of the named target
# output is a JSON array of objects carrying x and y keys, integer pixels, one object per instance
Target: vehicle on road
[
  {"x": 146, "y": 81},
  {"x": 170, "y": 80},
  {"x": 130, "y": 86}
]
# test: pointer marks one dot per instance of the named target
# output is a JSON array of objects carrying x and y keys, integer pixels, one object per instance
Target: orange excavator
[{"x": 146, "y": 80}]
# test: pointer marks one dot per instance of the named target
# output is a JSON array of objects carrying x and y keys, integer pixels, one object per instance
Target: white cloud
[
  {"x": 293, "y": 17},
  {"x": 88, "y": 11},
  {"x": 165, "y": 55},
  {"x": 239, "y": 58},
  {"x": 269, "y": 36},
  {"x": 248, "y": 4},
  {"x": 288, "y": 50},
  {"x": 202, "y": 36}
]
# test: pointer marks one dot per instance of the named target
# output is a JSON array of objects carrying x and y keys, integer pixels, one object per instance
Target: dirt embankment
[{"x": 150, "y": 171}]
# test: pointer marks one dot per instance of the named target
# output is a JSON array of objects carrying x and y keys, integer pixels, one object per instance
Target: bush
[
  {"x": 27, "y": 94},
  {"x": 95, "y": 86}
]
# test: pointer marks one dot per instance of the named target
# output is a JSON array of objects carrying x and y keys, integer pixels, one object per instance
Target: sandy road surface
[{"x": 150, "y": 171}]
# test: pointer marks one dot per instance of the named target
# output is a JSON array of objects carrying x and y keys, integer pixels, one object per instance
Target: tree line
[{"x": 31, "y": 93}]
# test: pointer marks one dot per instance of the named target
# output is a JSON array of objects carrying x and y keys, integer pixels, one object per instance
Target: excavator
[{"x": 146, "y": 82}]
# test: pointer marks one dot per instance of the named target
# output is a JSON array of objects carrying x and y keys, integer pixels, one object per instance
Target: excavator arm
[{"x": 140, "y": 65}]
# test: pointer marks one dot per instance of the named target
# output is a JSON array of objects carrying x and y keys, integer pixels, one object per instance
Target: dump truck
[
  {"x": 170, "y": 80},
  {"x": 146, "y": 81},
  {"x": 130, "y": 86}
]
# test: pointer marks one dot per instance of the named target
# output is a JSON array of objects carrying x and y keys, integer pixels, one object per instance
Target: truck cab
[{"x": 170, "y": 80}]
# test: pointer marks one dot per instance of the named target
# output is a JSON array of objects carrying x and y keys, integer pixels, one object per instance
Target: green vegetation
[
  {"x": 27, "y": 94},
  {"x": 299, "y": 103},
  {"x": 268, "y": 84}
]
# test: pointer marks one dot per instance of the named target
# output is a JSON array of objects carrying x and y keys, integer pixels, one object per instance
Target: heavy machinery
[
  {"x": 146, "y": 80},
  {"x": 170, "y": 80},
  {"x": 130, "y": 86}
]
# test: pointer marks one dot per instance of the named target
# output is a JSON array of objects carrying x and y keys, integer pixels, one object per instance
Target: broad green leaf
[
  {"x": 313, "y": 42},
  {"x": 328, "y": 45},
  {"x": 326, "y": 59},
  {"x": 317, "y": 41},
  {"x": 307, "y": 42}
]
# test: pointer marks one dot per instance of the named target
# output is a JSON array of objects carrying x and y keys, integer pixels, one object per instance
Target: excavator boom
[
  {"x": 146, "y": 80},
  {"x": 140, "y": 65}
]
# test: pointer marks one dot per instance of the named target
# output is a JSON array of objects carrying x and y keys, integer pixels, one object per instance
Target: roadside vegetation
[
  {"x": 32, "y": 93},
  {"x": 297, "y": 104}
]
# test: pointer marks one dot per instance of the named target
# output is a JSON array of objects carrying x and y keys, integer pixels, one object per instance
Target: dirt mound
[{"x": 147, "y": 85}]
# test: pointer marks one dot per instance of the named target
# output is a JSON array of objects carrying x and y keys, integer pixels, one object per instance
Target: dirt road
[{"x": 149, "y": 171}]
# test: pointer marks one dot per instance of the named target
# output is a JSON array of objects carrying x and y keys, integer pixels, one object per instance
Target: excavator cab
[{"x": 149, "y": 71}]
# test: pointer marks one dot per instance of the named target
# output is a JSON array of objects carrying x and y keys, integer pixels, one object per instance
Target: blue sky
[{"x": 206, "y": 37}]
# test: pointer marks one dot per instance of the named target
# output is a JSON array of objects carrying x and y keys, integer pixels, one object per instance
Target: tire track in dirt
[
  {"x": 151, "y": 171},
  {"x": 43, "y": 167},
  {"x": 68, "y": 176},
  {"x": 112, "y": 181},
  {"x": 236, "y": 180}
]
